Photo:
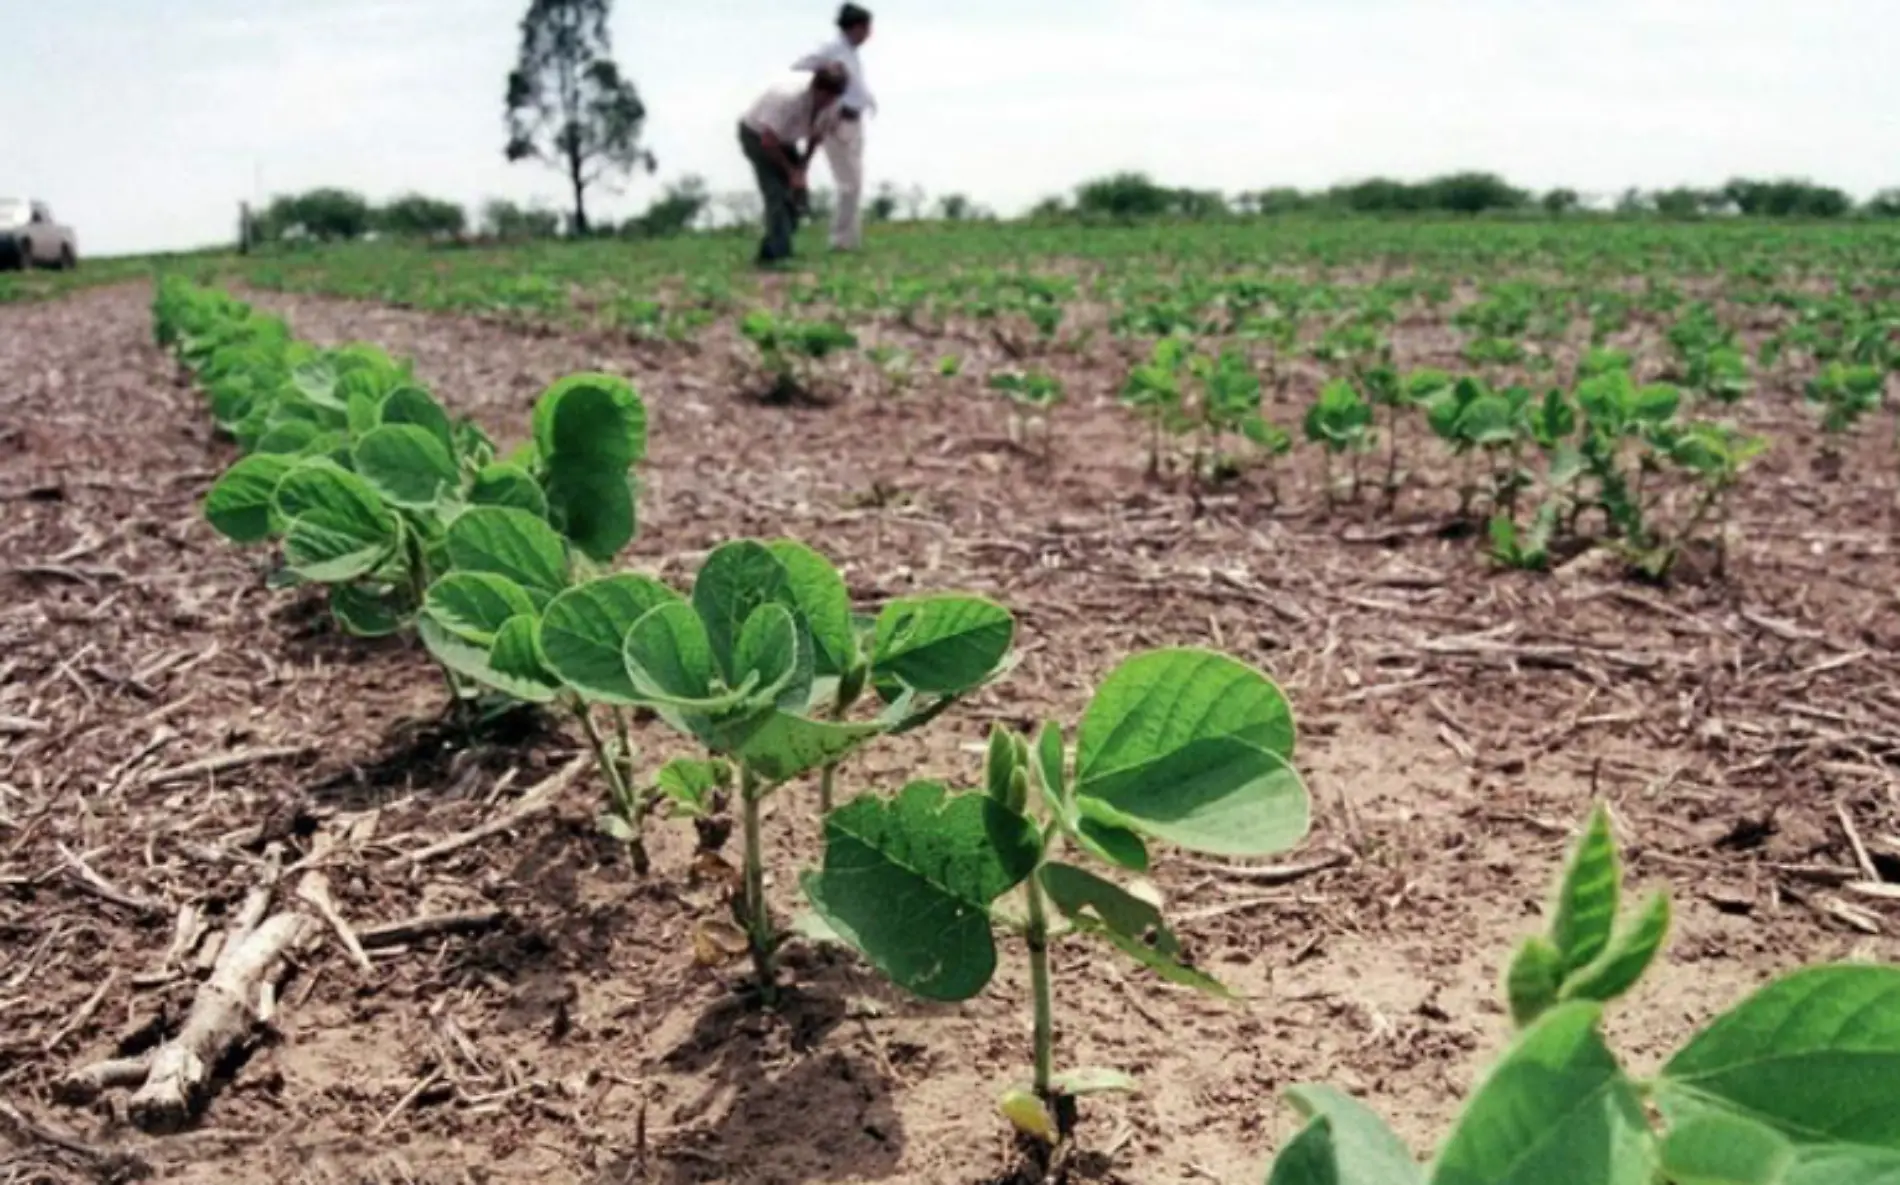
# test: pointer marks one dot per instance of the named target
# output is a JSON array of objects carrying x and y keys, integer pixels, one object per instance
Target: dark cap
[{"x": 851, "y": 16}]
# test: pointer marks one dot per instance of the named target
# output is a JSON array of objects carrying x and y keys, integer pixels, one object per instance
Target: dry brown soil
[{"x": 1456, "y": 721}]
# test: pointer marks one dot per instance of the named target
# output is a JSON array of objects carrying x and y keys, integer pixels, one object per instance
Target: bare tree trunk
[{"x": 579, "y": 228}]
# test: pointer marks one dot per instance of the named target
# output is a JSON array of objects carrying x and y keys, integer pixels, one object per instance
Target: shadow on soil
[{"x": 788, "y": 1097}]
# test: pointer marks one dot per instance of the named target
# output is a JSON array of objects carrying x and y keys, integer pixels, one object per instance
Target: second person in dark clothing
[{"x": 770, "y": 134}]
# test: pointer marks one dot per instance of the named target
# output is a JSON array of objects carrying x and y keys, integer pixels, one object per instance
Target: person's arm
[{"x": 785, "y": 156}]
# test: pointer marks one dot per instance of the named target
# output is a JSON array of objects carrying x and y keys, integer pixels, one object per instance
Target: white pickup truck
[{"x": 30, "y": 237}]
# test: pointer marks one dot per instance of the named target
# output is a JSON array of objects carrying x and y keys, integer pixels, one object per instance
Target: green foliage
[
  {"x": 791, "y": 349},
  {"x": 327, "y": 214},
  {"x": 1796, "y": 1084},
  {"x": 674, "y": 212},
  {"x": 1182, "y": 746},
  {"x": 371, "y": 489},
  {"x": 1127, "y": 197},
  {"x": 1844, "y": 393},
  {"x": 419, "y": 216},
  {"x": 1786, "y": 198},
  {"x": 1033, "y": 391}
]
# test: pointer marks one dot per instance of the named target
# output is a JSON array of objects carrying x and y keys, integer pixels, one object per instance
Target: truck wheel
[
  {"x": 25, "y": 262},
  {"x": 67, "y": 260}
]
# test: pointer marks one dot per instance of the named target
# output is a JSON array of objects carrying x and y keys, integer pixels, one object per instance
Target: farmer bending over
[{"x": 770, "y": 135}]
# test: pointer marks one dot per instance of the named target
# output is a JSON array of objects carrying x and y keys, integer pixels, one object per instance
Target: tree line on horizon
[{"x": 332, "y": 214}]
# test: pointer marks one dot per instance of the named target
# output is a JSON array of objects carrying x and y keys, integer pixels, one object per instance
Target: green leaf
[
  {"x": 338, "y": 528},
  {"x": 406, "y": 465},
  {"x": 941, "y": 645},
  {"x": 319, "y": 485},
  {"x": 475, "y": 605},
  {"x": 780, "y": 746},
  {"x": 733, "y": 582},
  {"x": 1190, "y": 746},
  {"x": 909, "y": 883},
  {"x": 1309, "y": 1158},
  {"x": 511, "y": 543},
  {"x": 1816, "y": 1056},
  {"x": 691, "y": 785},
  {"x": 593, "y": 416},
  {"x": 583, "y": 634},
  {"x": 1844, "y": 1165},
  {"x": 1534, "y": 984},
  {"x": 668, "y": 657},
  {"x": 1000, "y": 767},
  {"x": 321, "y": 554},
  {"x": 819, "y": 592},
  {"x": 1129, "y": 924},
  {"x": 316, "y": 381},
  {"x": 1050, "y": 757},
  {"x": 242, "y": 505},
  {"x": 366, "y": 612},
  {"x": 1557, "y": 1110},
  {"x": 508, "y": 485},
  {"x": 515, "y": 664},
  {"x": 1622, "y": 963},
  {"x": 291, "y": 438},
  {"x": 1587, "y": 894},
  {"x": 592, "y": 506},
  {"x": 1363, "y": 1150},
  {"x": 462, "y": 657},
  {"x": 411, "y": 405},
  {"x": 772, "y": 647},
  {"x": 362, "y": 413},
  {"x": 1108, "y": 841},
  {"x": 1725, "y": 1150}
]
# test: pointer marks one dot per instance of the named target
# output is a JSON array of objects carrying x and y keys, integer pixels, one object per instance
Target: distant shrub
[
  {"x": 505, "y": 220},
  {"x": 419, "y": 216}
]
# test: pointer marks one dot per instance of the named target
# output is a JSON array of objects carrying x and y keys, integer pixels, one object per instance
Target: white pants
[{"x": 844, "y": 152}]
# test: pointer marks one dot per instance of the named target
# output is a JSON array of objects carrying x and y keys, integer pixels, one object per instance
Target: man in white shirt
[
  {"x": 844, "y": 147},
  {"x": 769, "y": 134}
]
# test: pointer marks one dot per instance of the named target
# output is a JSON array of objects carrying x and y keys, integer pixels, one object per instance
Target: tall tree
[{"x": 568, "y": 106}]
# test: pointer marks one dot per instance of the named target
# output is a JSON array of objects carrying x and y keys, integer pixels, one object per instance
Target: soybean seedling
[
  {"x": 792, "y": 350},
  {"x": 1186, "y": 747},
  {"x": 1788, "y": 1087},
  {"x": 1034, "y": 393},
  {"x": 759, "y": 667},
  {"x": 1340, "y": 420}
]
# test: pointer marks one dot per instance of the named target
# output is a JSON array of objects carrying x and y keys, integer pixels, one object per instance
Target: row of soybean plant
[{"x": 412, "y": 520}]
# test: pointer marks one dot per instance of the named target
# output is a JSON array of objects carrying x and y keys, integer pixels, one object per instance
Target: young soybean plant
[
  {"x": 1797, "y": 1085},
  {"x": 761, "y": 667},
  {"x": 1186, "y": 747},
  {"x": 1032, "y": 393},
  {"x": 791, "y": 350}
]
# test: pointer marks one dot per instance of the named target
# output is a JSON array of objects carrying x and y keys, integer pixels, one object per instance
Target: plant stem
[
  {"x": 1392, "y": 458},
  {"x": 637, "y": 803},
  {"x": 1038, "y": 937},
  {"x": 619, "y": 787},
  {"x": 758, "y": 917}
]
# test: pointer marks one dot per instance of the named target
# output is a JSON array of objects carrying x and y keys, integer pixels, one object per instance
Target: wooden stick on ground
[
  {"x": 221, "y": 763},
  {"x": 82, "y": 875},
  {"x": 229, "y": 1006},
  {"x": 427, "y": 926},
  {"x": 532, "y": 803}
]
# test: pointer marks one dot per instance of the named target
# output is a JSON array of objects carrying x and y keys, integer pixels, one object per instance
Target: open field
[{"x": 166, "y": 718}]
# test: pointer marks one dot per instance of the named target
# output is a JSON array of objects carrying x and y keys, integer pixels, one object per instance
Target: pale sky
[{"x": 145, "y": 122}]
